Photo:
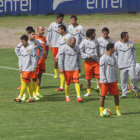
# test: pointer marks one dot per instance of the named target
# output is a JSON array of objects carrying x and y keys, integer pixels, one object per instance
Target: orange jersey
[{"x": 43, "y": 42}]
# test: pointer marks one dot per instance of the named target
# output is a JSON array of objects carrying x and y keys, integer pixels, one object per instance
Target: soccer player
[
  {"x": 76, "y": 30},
  {"x": 70, "y": 64},
  {"x": 62, "y": 41},
  {"x": 41, "y": 63},
  {"x": 103, "y": 41},
  {"x": 108, "y": 78},
  {"x": 27, "y": 65},
  {"x": 126, "y": 59},
  {"x": 52, "y": 38},
  {"x": 89, "y": 49},
  {"x": 27, "y": 29}
]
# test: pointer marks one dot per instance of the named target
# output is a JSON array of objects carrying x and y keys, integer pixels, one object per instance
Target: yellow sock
[
  {"x": 67, "y": 90},
  {"x": 97, "y": 83},
  {"x": 37, "y": 89},
  {"x": 34, "y": 83},
  {"x": 55, "y": 71},
  {"x": 30, "y": 91},
  {"x": 77, "y": 87},
  {"x": 62, "y": 79},
  {"x": 88, "y": 90},
  {"x": 23, "y": 88},
  {"x": 101, "y": 109},
  {"x": 117, "y": 107}
]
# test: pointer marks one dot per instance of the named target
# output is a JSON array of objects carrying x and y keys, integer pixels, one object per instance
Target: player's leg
[
  {"x": 116, "y": 98},
  {"x": 55, "y": 51},
  {"x": 75, "y": 79},
  {"x": 30, "y": 92},
  {"x": 124, "y": 82},
  {"x": 34, "y": 86},
  {"x": 134, "y": 81},
  {"x": 21, "y": 82},
  {"x": 88, "y": 74}
]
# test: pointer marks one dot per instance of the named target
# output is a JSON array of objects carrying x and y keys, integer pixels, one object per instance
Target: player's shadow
[
  {"x": 52, "y": 98},
  {"x": 91, "y": 99},
  {"x": 131, "y": 113},
  {"x": 46, "y": 87}
]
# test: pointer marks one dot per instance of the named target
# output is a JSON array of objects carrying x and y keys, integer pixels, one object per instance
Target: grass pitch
[{"x": 53, "y": 119}]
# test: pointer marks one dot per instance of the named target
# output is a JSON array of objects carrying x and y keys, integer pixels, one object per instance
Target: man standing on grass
[
  {"x": 70, "y": 64},
  {"x": 27, "y": 66},
  {"x": 41, "y": 63},
  {"x": 89, "y": 49},
  {"x": 108, "y": 78},
  {"x": 52, "y": 38},
  {"x": 126, "y": 60}
]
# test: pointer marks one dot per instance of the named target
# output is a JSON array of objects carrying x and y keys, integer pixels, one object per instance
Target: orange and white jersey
[
  {"x": 77, "y": 32},
  {"x": 43, "y": 42}
]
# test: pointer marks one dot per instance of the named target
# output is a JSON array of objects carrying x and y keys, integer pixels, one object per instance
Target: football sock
[
  {"x": 67, "y": 90},
  {"x": 30, "y": 91},
  {"x": 23, "y": 88},
  {"x": 62, "y": 79},
  {"x": 34, "y": 84},
  {"x": 101, "y": 109},
  {"x": 55, "y": 71},
  {"x": 77, "y": 87},
  {"x": 88, "y": 90}
]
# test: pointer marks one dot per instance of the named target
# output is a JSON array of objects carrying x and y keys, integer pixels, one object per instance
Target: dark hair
[
  {"x": 29, "y": 28},
  {"x": 109, "y": 46},
  {"x": 60, "y": 15},
  {"x": 105, "y": 29},
  {"x": 123, "y": 34},
  {"x": 24, "y": 37},
  {"x": 74, "y": 17},
  {"x": 89, "y": 33},
  {"x": 31, "y": 31},
  {"x": 62, "y": 27}
]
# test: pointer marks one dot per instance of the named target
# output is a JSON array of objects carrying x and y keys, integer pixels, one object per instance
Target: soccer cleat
[
  {"x": 67, "y": 99},
  {"x": 123, "y": 97},
  {"x": 87, "y": 94},
  {"x": 129, "y": 91},
  {"x": 17, "y": 100},
  {"x": 39, "y": 95},
  {"x": 30, "y": 100},
  {"x": 36, "y": 98},
  {"x": 23, "y": 98},
  {"x": 101, "y": 114},
  {"x": 18, "y": 88},
  {"x": 59, "y": 89},
  {"x": 79, "y": 100},
  {"x": 118, "y": 113},
  {"x": 97, "y": 90},
  {"x": 81, "y": 86},
  {"x": 137, "y": 95},
  {"x": 55, "y": 76}
]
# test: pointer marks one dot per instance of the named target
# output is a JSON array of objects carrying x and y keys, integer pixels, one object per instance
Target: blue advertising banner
[{"x": 44, "y": 7}]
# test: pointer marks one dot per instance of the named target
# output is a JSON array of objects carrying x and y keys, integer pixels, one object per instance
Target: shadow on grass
[
  {"x": 130, "y": 113},
  {"x": 46, "y": 87}
]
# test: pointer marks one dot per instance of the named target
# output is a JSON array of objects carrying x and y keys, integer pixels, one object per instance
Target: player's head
[
  {"x": 24, "y": 40},
  {"x": 31, "y": 34},
  {"x": 61, "y": 29},
  {"x": 60, "y": 17},
  {"x": 125, "y": 36},
  {"x": 72, "y": 42},
  {"x": 105, "y": 32},
  {"x": 40, "y": 30},
  {"x": 28, "y": 28},
  {"x": 73, "y": 19},
  {"x": 110, "y": 48},
  {"x": 91, "y": 33}
]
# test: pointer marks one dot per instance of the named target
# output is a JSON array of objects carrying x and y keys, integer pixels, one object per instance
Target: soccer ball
[{"x": 106, "y": 112}]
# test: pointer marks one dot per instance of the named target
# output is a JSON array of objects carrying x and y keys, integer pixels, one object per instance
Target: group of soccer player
[{"x": 102, "y": 57}]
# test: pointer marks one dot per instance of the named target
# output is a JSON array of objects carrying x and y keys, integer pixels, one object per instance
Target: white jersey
[
  {"x": 62, "y": 41},
  {"x": 53, "y": 35},
  {"x": 137, "y": 69},
  {"x": 103, "y": 43},
  {"x": 27, "y": 58},
  {"x": 125, "y": 54},
  {"x": 90, "y": 48},
  {"x": 108, "y": 69},
  {"x": 77, "y": 32}
]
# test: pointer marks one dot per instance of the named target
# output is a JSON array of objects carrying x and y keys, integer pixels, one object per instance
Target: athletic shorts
[
  {"x": 91, "y": 70},
  {"x": 41, "y": 68},
  {"x": 35, "y": 74},
  {"x": 71, "y": 77},
  {"x": 112, "y": 88},
  {"x": 26, "y": 76},
  {"x": 55, "y": 52}
]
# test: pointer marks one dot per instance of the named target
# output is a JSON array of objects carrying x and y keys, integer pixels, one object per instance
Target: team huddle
[{"x": 102, "y": 58}]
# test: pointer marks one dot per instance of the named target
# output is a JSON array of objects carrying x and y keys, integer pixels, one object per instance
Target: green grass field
[{"x": 54, "y": 119}]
